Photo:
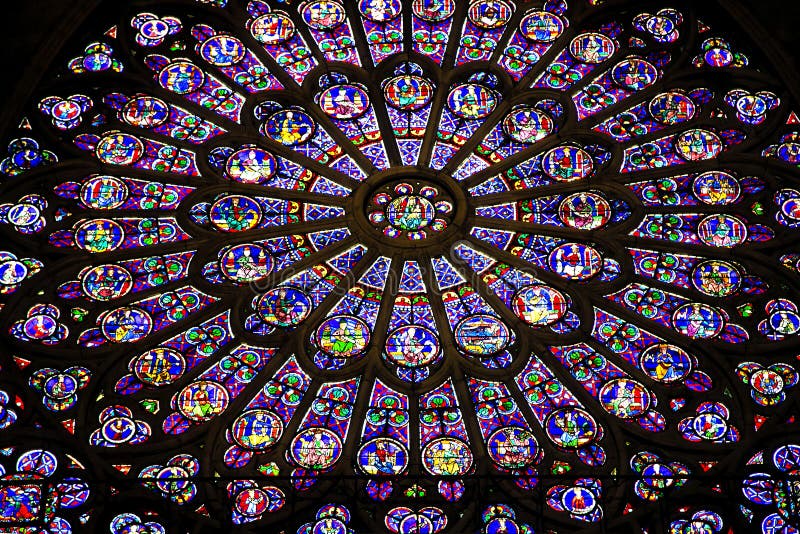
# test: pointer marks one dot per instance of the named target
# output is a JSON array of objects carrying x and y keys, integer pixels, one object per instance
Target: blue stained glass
[
  {"x": 348, "y": 105},
  {"x": 296, "y": 129},
  {"x": 234, "y": 59},
  {"x": 195, "y": 85},
  {"x": 616, "y": 391},
  {"x": 116, "y": 148},
  {"x": 443, "y": 434},
  {"x": 432, "y": 22},
  {"x": 152, "y": 113},
  {"x": 348, "y": 328},
  {"x": 318, "y": 444},
  {"x": 536, "y": 34},
  {"x": 112, "y": 281},
  {"x": 280, "y": 38},
  {"x": 402, "y": 251},
  {"x": 211, "y": 393},
  {"x": 692, "y": 145},
  {"x": 110, "y": 192},
  {"x": 618, "y": 83},
  {"x": 503, "y": 427},
  {"x": 385, "y": 436},
  {"x": 129, "y": 324},
  {"x": 586, "y": 51},
  {"x": 105, "y": 235},
  {"x": 567, "y": 423},
  {"x": 278, "y": 399},
  {"x": 468, "y": 104},
  {"x": 96, "y": 57},
  {"x": 383, "y": 26},
  {"x": 331, "y": 29},
  {"x": 483, "y": 27},
  {"x": 413, "y": 345},
  {"x": 411, "y": 280}
]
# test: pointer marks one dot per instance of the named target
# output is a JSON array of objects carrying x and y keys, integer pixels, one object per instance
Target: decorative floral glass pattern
[{"x": 386, "y": 250}]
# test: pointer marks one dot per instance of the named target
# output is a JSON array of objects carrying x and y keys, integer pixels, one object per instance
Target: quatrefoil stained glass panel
[{"x": 409, "y": 267}]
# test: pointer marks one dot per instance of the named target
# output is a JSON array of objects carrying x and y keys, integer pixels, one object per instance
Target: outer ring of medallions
[{"x": 358, "y": 201}]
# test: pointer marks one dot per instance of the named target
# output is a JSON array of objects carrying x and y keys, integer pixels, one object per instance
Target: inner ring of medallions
[{"x": 409, "y": 208}]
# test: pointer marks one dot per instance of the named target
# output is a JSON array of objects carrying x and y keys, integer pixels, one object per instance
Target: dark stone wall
[
  {"x": 31, "y": 24},
  {"x": 782, "y": 19},
  {"x": 25, "y": 28}
]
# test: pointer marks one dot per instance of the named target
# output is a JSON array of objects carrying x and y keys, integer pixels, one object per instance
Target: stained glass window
[{"x": 406, "y": 267}]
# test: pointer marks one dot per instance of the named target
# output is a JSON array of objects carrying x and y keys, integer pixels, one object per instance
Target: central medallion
[
  {"x": 410, "y": 209},
  {"x": 410, "y": 213}
]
